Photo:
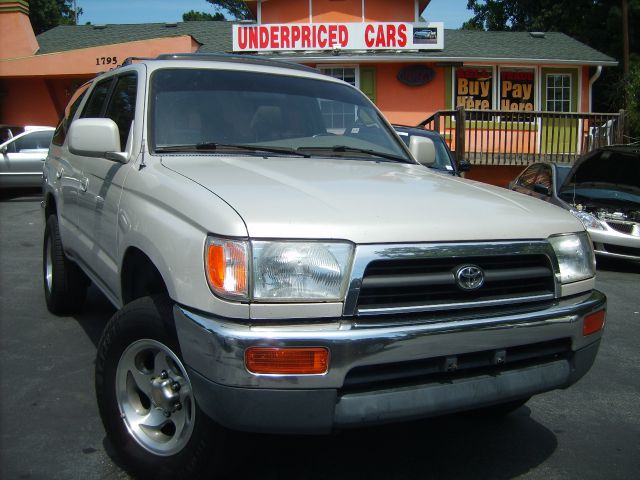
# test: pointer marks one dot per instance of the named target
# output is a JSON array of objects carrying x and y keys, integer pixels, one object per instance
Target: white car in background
[{"x": 22, "y": 154}]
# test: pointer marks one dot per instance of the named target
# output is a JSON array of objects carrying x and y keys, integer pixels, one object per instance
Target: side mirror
[
  {"x": 423, "y": 150},
  {"x": 4, "y": 149},
  {"x": 542, "y": 189},
  {"x": 464, "y": 166},
  {"x": 96, "y": 137}
]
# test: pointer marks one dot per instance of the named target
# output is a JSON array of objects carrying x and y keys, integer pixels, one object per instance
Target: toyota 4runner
[{"x": 281, "y": 263}]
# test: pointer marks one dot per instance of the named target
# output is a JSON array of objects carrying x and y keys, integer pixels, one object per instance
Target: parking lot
[{"x": 50, "y": 428}]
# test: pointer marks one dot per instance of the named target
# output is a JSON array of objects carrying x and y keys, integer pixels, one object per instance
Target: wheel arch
[{"x": 140, "y": 277}]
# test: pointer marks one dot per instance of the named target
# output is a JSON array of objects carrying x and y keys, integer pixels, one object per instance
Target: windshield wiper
[
  {"x": 344, "y": 148},
  {"x": 213, "y": 146}
]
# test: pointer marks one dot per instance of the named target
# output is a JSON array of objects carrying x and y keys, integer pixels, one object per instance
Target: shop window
[
  {"x": 338, "y": 116},
  {"x": 473, "y": 88},
  {"x": 558, "y": 92},
  {"x": 517, "y": 89}
]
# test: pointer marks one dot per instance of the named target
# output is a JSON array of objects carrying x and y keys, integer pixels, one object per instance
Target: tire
[
  {"x": 499, "y": 410},
  {"x": 145, "y": 397},
  {"x": 65, "y": 285}
]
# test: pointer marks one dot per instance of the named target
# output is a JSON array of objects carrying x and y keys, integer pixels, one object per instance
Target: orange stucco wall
[
  {"x": 35, "y": 89},
  {"x": 382, "y": 11},
  {"x": 337, "y": 11},
  {"x": 28, "y": 102},
  {"x": 404, "y": 104},
  {"x": 285, "y": 11},
  {"x": 296, "y": 11},
  {"x": 18, "y": 39}
]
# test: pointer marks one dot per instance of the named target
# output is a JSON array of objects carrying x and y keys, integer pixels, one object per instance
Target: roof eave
[{"x": 395, "y": 58}]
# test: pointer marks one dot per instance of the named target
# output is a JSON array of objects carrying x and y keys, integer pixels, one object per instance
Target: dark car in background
[
  {"x": 602, "y": 189},
  {"x": 440, "y": 158}
]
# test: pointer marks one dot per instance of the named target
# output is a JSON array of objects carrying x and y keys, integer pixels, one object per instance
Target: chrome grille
[
  {"x": 422, "y": 278},
  {"x": 622, "y": 227},
  {"x": 432, "y": 281}
]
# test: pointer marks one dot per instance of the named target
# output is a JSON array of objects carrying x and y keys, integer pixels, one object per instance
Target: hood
[
  {"x": 607, "y": 179},
  {"x": 366, "y": 201}
]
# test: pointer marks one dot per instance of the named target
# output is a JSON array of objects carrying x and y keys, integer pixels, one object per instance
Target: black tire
[
  {"x": 500, "y": 409},
  {"x": 65, "y": 285},
  {"x": 169, "y": 441}
]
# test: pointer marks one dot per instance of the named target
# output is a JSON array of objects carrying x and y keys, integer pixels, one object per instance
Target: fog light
[
  {"x": 594, "y": 322},
  {"x": 287, "y": 361}
]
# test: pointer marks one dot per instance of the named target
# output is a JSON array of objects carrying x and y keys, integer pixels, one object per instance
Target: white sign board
[{"x": 338, "y": 36}]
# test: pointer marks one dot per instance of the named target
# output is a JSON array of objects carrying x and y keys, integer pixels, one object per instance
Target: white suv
[{"x": 281, "y": 263}]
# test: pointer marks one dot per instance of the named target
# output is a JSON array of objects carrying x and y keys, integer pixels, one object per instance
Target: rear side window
[
  {"x": 33, "y": 141},
  {"x": 528, "y": 178}
]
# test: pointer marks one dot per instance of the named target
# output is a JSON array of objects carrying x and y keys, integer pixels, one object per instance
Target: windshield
[{"x": 228, "y": 111}]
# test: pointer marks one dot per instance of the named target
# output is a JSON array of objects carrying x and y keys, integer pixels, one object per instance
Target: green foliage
[
  {"x": 192, "y": 16},
  {"x": 46, "y": 14},
  {"x": 236, "y": 8},
  {"x": 632, "y": 91}
]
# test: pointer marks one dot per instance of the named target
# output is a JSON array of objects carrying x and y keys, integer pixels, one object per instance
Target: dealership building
[{"x": 406, "y": 62}]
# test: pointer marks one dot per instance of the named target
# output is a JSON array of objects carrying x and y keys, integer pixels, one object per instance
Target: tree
[
  {"x": 192, "y": 15},
  {"x": 236, "y": 8},
  {"x": 597, "y": 23},
  {"x": 46, "y": 14}
]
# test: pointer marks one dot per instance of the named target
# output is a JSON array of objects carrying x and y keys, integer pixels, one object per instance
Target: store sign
[
  {"x": 474, "y": 88},
  {"x": 516, "y": 90},
  {"x": 416, "y": 75},
  {"x": 338, "y": 36}
]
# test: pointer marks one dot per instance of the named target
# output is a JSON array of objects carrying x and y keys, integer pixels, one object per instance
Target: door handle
[{"x": 84, "y": 184}]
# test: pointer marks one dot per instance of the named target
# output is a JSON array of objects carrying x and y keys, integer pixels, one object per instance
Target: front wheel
[{"x": 145, "y": 396}]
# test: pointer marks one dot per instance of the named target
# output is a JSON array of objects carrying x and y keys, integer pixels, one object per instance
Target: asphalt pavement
[{"x": 50, "y": 428}]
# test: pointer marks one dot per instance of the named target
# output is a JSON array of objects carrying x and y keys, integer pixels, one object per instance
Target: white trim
[{"x": 313, "y": 56}]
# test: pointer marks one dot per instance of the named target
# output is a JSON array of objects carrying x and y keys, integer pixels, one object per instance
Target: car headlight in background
[
  {"x": 575, "y": 256},
  {"x": 280, "y": 271},
  {"x": 589, "y": 221}
]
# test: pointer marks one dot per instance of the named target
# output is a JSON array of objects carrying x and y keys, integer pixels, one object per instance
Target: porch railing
[{"x": 497, "y": 137}]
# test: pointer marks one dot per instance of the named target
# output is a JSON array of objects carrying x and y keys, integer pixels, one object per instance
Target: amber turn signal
[
  {"x": 287, "y": 361},
  {"x": 594, "y": 322}
]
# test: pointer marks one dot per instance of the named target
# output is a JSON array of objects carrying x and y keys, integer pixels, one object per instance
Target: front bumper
[{"x": 213, "y": 349}]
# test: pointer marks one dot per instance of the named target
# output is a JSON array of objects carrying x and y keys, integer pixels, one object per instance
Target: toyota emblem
[{"x": 469, "y": 277}]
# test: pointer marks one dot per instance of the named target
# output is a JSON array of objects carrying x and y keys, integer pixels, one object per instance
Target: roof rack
[
  {"x": 227, "y": 57},
  {"x": 130, "y": 60}
]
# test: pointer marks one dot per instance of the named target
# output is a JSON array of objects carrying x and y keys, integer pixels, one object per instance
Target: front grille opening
[
  {"x": 441, "y": 370},
  {"x": 415, "y": 282},
  {"x": 621, "y": 250}
]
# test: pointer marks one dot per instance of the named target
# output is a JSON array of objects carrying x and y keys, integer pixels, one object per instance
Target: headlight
[
  {"x": 588, "y": 220},
  {"x": 300, "y": 271},
  {"x": 280, "y": 271},
  {"x": 575, "y": 256}
]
